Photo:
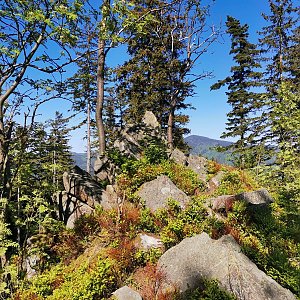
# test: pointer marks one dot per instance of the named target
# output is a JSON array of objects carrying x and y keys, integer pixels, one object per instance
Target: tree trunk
[
  {"x": 88, "y": 148},
  {"x": 170, "y": 127},
  {"x": 100, "y": 97}
]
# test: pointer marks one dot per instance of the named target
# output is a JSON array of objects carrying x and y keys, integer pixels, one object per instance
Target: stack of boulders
[
  {"x": 130, "y": 142},
  {"x": 82, "y": 194}
]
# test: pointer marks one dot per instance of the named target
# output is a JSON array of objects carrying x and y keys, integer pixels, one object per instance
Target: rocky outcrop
[
  {"x": 104, "y": 169},
  {"x": 201, "y": 257},
  {"x": 224, "y": 202},
  {"x": 179, "y": 157},
  {"x": 157, "y": 192},
  {"x": 259, "y": 197},
  {"x": 194, "y": 162},
  {"x": 126, "y": 293},
  {"x": 82, "y": 194},
  {"x": 82, "y": 186},
  {"x": 132, "y": 138},
  {"x": 215, "y": 181},
  {"x": 198, "y": 165}
]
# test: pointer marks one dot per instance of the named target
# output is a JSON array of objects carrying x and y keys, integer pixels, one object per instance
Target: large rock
[
  {"x": 157, "y": 192},
  {"x": 126, "y": 293},
  {"x": 202, "y": 257},
  {"x": 259, "y": 197},
  {"x": 109, "y": 198},
  {"x": 150, "y": 120},
  {"x": 79, "y": 209},
  {"x": 104, "y": 169},
  {"x": 179, "y": 157},
  {"x": 223, "y": 202},
  {"x": 199, "y": 165},
  {"x": 82, "y": 195},
  {"x": 132, "y": 139},
  {"x": 215, "y": 181},
  {"x": 81, "y": 185}
]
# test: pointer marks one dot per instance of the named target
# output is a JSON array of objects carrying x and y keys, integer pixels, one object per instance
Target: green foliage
[
  {"x": 268, "y": 236},
  {"x": 73, "y": 283},
  {"x": 244, "y": 101},
  {"x": 155, "y": 151},
  {"x": 138, "y": 172},
  {"x": 209, "y": 290},
  {"x": 235, "y": 181}
]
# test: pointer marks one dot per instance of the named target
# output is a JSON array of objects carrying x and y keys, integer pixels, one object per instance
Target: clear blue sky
[{"x": 210, "y": 115}]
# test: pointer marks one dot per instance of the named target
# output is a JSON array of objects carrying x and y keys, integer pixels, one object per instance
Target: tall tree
[
  {"x": 59, "y": 151},
  {"x": 285, "y": 119},
  {"x": 241, "y": 96},
  {"x": 27, "y": 29},
  {"x": 159, "y": 75},
  {"x": 82, "y": 85},
  {"x": 276, "y": 42}
]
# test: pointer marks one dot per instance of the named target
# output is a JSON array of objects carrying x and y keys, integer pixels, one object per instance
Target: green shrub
[{"x": 209, "y": 290}]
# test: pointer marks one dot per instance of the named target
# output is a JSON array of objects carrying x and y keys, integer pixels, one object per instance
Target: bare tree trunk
[
  {"x": 88, "y": 148},
  {"x": 100, "y": 97},
  {"x": 2, "y": 145},
  {"x": 170, "y": 129}
]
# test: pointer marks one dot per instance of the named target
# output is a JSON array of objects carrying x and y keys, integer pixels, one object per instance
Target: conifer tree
[
  {"x": 59, "y": 151},
  {"x": 285, "y": 119},
  {"x": 279, "y": 57},
  {"x": 241, "y": 95},
  {"x": 82, "y": 85},
  {"x": 159, "y": 75}
]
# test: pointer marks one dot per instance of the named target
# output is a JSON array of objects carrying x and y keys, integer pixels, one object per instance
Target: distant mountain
[
  {"x": 201, "y": 145},
  {"x": 80, "y": 160}
]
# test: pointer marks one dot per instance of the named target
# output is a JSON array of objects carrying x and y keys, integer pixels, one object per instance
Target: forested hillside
[
  {"x": 72, "y": 233},
  {"x": 210, "y": 148}
]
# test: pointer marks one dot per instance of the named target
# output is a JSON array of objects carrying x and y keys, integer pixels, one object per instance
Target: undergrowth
[{"x": 268, "y": 236}]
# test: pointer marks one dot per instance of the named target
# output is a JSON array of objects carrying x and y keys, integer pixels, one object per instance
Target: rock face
[
  {"x": 215, "y": 182},
  {"x": 194, "y": 162},
  {"x": 104, "y": 169},
  {"x": 82, "y": 193},
  {"x": 81, "y": 185},
  {"x": 198, "y": 165},
  {"x": 219, "y": 203},
  {"x": 202, "y": 257},
  {"x": 259, "y": 197},
  {"x": 157, "y": 192},
  {"x": 179, "y": 157},
  {"x": 150, "y": 120},
  {"x": 131, "y": 139},
  {"x": 126, "y": 293}
]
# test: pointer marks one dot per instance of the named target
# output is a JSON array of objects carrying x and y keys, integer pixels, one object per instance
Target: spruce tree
[
  {"x": 159, "y": 75},
  {"x": 59, "y": 151},
  {"x": 82, "y": 85},
  {"x": 241, "y": 93},
  {"x": 278, "y": 44}
]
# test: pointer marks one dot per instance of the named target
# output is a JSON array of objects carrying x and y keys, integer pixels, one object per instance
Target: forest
[{"x": 164, "y": 41}]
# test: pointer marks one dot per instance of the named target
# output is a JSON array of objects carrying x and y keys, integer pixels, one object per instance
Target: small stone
[{"x": 126, "y": 293}]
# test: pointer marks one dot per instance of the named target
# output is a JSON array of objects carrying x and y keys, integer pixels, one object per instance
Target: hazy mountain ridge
[
  {"x": 204, "y": 146},
  {"x": 200, "y": 145}
]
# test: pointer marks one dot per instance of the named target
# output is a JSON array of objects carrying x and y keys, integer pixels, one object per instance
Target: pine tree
[
  {"x": 241, "y": 95},
  {"x": 158, "y": 76},
  {"x": 277, "y": 43},
  {"x": 59, "y": 153},
  {"x": 285, "y": 119},
  {"x": 82, "y": 85}
]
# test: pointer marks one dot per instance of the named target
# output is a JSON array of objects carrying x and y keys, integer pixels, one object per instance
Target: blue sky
[{"x": 211, "y": 108}]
